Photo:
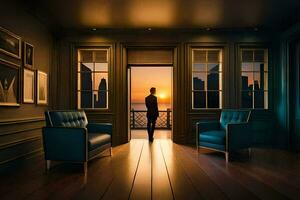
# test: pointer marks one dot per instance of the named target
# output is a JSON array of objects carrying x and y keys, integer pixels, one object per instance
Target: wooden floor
[{"x": 161, "y": 170}]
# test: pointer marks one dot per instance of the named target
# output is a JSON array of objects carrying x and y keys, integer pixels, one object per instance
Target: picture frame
[
  {"x": 42, "y": 88},
  {"x": 10, "y": 43},
  {"x": 9, "y": 84},
  {"x": 28, "y": 55},
  {"x": 28, "y": 86}
]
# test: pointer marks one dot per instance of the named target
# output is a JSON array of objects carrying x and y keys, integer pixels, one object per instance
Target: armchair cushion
[
  {"x": 215, "y": 137},
  {"x": 97, "y": 140}
]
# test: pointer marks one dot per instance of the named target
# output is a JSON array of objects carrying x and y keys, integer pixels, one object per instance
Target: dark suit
[{"x": 152, "y": 114}]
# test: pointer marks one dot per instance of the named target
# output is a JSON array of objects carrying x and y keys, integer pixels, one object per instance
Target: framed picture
[
  {"x": 28, "y": 55},
  {"x": 9, "y": 84},
  {"x": 28, "y": 86},
  {"x": 10, "y": 43},
  {"x": 42, "y": 88}
]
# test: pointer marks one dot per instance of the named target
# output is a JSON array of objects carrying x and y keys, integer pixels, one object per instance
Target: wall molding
[
  {"x": 18, "y": 142},
  {"x": 21, "y": 120}
]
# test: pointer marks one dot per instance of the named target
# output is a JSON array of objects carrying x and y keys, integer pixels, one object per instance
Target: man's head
[{"x": 153, "y": 90}]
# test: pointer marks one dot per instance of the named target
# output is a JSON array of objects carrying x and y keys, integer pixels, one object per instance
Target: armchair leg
[
  {"x": 85, "y": 168},
  {"x": 110, "y": 151},
  {"x": 226, "y": 157},
  {"x": 48, "y": 165}
]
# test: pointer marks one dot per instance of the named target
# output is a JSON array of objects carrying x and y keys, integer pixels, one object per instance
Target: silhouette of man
[{"x": 152, "y": 112}]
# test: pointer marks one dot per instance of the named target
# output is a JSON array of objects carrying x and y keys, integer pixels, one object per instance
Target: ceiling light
[
  {"x": 94, "y": 29},
  {"x": 149, "y": 29}
]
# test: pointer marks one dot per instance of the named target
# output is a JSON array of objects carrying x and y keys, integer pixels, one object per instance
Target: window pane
[
  {"x": 101, "y": 81},
  {"x": 87, "y": 67},
  {"x": 246, "y": 67},
  {"x": 199, "y": 99},
  {"x": 213, "y": 56},
  {"x": 213, "y": 67},
  {"x": 213, "y": 81},
  {"x": 86, "y": 56},
  {"x": 259, "y": 99},
  {"x": 247, "y": 100},
  {"x": 86, "y": 99},
  {"x": 103, "y": 67},
  {"x": 260, "y": 67},
  {"x": 100, "y": 56},
  {"x": 199, "y": 56},
  {"x": 259, "y": 55},
  {"x": 247, "y": 80},
  {"x": 86, "y": 81},
  {"x": 199, "y": 67},
  {"x": 100, "y": 99},
  {"x": 247, "y": 55},
  {"x": 213, "y": 99},
  {"x": 199, "y": 81}
]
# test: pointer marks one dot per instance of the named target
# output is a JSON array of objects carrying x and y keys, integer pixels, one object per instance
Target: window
[
  {"x": 254, "y": 78},
  {"x": 207, "y": 78},
  {"x": 93, "y": 88}
]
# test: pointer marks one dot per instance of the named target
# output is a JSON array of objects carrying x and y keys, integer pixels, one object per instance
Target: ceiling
[{"x": 219, "y": 14}]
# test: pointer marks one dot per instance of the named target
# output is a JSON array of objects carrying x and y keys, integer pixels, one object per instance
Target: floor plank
[
  {"x": 124, "y": 171},
  {"x": 161, "y": 187},
  {"x": 181, "y": 184},
  {"x": 142, "y": 184}
]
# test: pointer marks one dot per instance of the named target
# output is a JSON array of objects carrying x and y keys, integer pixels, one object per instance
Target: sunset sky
[{"x": 143, "y": 78}]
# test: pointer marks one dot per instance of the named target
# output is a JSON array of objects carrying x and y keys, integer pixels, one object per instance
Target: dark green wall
[{"x": 20, "y": 127}]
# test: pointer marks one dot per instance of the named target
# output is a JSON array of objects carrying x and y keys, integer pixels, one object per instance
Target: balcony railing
[{"x": 138, "y": 119}]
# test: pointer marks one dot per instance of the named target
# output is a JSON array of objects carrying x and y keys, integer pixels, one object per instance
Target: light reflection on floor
[{"x": 158, "y": 134}]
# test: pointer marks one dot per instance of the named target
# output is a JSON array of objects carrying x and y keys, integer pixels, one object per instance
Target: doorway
[{"x": 140, "y": 79}]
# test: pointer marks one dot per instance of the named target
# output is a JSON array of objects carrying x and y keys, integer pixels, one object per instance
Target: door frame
[{"x": 175, "y": 48}]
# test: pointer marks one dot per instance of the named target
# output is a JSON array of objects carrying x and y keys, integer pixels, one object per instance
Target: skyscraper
[
  {"x": 86, "y": 87},
  {"x": 102, "y": 95}
]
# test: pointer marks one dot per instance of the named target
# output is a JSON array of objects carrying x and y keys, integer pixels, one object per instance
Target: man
[{"x": 152, "y": 112}]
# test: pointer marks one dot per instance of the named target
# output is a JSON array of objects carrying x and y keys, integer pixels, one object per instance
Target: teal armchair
[
  {"x": 232, "y": 132},
  {"x": 68, "y": 136}
]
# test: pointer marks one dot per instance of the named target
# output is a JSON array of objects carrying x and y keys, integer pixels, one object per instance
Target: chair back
[
  {"x": 234, "y": 116},
  {"x": 66, "y": 118}
]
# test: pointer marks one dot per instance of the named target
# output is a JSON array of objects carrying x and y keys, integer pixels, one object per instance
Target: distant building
[
  {"x": 86, "y": 87},
  {"x": 199, "y": 96},
  {"x": 102, "y": 95}
]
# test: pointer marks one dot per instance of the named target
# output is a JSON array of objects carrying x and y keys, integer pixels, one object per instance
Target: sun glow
[{"x": 162, "y": 95}]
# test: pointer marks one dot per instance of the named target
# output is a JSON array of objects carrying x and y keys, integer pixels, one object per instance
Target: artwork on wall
[
  {"x": 42, "y": 88},
  {"x": 28, "y": 55},
  {"x": 28, "y": 86},
  {"x": 9, "y": 84},
  {"x": 10, "y": 43}
]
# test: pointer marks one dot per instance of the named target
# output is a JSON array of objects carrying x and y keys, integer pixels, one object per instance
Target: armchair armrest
[
  {"x": 99, "y": 128},
  {"x": 238, "y": 136},
  {"x": 65, "y": 144},
  {"x": 205, "y": 126}
]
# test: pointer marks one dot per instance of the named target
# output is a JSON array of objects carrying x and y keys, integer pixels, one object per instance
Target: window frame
[
  {"x": 267, "y": 87},
  {"x": 220, "y": 72},
  {"x": 109, "y": 77}
]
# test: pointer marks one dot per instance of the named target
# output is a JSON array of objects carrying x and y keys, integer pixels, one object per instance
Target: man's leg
[
  {"x": 153, "y": 128},
  {"x": 149, "y": 128}
]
